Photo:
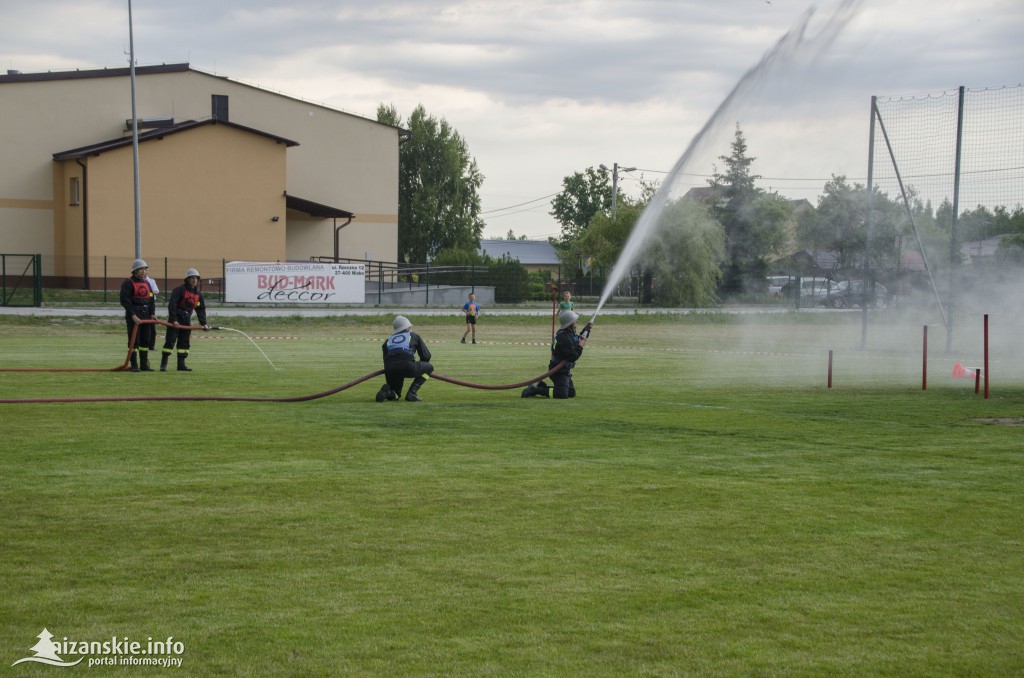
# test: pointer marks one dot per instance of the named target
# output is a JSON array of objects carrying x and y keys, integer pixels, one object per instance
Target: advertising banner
[{"x": 294, "y": 283}]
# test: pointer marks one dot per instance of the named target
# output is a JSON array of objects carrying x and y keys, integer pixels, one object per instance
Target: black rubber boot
[
  {"x": 163, "y": 361},
  {"x": 134, "y": 362},
  {"x": 538, "y": 389},
  {"x": 384, "y": 394},
  {"x": 414, "y": 389},
  {"x": 182, "y": 367},
  {"x": 144, "y": 362}
]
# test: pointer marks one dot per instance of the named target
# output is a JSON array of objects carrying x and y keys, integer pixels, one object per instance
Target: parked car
[
  {"x": 851, "y": 293},
  {"x": 776, "y": 282},
  {"x": 812, "y": 289}
]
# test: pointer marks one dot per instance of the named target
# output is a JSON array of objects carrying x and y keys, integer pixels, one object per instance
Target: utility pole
[{"x": 615, "y": 183}]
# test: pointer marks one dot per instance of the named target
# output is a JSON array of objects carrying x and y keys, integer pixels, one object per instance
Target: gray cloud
[{"x": 573, "y": 83}]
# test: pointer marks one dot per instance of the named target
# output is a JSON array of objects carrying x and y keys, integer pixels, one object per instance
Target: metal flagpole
[{"x": 135, "y": 136}]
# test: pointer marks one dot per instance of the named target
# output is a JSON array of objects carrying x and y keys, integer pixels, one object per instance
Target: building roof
[
  {"x": 703, "y": 193},
  {"x": 315, "y": 209},
  {"x": 14, "y": 76},
  {"x": 532, "y": 252},
  {"x": 77, "y": 74},
  {"x": 160, "y": 133},
  {"x": 804, "y": 260}
]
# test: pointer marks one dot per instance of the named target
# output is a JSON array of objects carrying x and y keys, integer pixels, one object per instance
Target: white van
[{"x": 811, "y": 288}]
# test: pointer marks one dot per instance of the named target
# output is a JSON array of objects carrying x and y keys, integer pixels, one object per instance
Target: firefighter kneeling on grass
[
  {"x": 184, "y": 300},
  {"x": 400, "y": 351},
  {"x": 568, "y": 346}
]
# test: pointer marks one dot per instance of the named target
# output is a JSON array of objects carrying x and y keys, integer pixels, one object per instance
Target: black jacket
[
  {"x": 566, "y": 347},
  {"x": 396, "y": 347},
  {"x": 134, "y": 304},
  {"x": 180, "y": 308}
]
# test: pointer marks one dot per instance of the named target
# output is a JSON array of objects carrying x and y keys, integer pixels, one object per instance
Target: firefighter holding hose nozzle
[
  {"x": 139, "y": 304},
  {"x": 568, "y": 346},
  {"x": 185, "y": 299}
]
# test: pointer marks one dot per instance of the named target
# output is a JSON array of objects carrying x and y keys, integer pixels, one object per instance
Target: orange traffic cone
[{"x": 961, "y": 372}]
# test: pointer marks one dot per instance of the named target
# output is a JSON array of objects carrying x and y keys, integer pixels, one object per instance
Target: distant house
[
  {"x": 912, "y": 260},
  {"x": 534, "y": 255},
  {"x": 704, "y": 194},
  {"x": 823, "y": 263},
  {"x": 981, "y": 251}
]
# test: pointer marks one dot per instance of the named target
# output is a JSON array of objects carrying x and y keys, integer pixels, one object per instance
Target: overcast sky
[{"x": 540, "y": 89}]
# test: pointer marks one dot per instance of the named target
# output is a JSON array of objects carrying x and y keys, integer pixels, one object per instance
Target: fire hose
[
  {"x": 291, "y": 399},
  {"x": 127, "y": 358}
]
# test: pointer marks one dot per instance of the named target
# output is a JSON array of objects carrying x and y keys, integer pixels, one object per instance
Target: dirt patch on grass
[{"x": 1003, "y": 421}]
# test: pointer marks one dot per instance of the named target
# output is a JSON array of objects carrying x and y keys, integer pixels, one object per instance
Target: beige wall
[
  {"x": 343, "y": 160},
  {"x": 206, "y": 191},
  {"x": 365, "y": 235}
]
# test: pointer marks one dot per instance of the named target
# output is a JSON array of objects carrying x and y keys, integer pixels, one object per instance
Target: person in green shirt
[{"x": 566, "y": 303}]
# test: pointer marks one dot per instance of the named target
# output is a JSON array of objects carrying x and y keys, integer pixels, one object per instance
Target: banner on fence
[{"x": 294, "y": 283}]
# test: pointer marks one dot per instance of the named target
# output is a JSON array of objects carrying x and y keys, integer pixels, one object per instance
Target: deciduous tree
[
  {"x": 438, "y": 184},
  {"x": 584, "y": 195}
]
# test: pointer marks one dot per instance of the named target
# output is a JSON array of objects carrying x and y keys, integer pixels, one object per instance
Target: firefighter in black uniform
[
  {"x": 400, "y": 351},
  {"x": 184, "y": 300},
  {"x": 568, "y": 346},
  {"x": 139, "y": 304}
]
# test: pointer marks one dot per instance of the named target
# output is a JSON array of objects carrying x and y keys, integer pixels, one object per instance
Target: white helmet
[
  {"x": 401, "y": 323},
  {"x": 567, "y": 318},
  {"x": 192, "y": 273},
  {"x": 137, "y": 264}
]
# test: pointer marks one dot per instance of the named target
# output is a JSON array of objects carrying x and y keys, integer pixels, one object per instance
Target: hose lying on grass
[{"x": 291, "y": 399}]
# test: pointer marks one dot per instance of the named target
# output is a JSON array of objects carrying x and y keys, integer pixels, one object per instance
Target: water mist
[{"x": 794, "y": 48}]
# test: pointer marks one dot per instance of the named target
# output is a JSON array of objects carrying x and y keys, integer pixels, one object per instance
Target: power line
[
  {"x": 502, "y": 209},
  {"x": 508, "y": 214}
]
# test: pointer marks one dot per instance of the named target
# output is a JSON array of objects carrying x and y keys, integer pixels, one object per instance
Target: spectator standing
[
  {"x": 566, "y": 303},
  {"x": 472, "y": 311}
]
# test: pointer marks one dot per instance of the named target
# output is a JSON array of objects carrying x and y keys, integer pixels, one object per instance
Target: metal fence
[
  {"x": 21, "y": 280},
  {"x": 511, "y": 282}
]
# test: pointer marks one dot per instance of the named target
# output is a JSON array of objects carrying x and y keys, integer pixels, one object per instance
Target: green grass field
[{"x": 706, "y": 506}]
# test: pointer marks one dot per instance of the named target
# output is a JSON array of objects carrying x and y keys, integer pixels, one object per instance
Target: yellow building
[{"x": 228, "y": 171}]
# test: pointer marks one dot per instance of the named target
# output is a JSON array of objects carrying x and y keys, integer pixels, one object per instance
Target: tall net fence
[
  {"x": 959, "y": 156},
  {"x": 922, "y": 130}
]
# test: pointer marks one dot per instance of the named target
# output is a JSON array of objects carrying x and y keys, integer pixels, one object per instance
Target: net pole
[
  {"x": 954, "y": 254},
  {"x": 913, "y": 221},
  {"x": 867, "y": 223}
]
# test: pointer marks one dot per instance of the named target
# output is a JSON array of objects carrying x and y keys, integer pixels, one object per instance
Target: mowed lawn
[{"x": 705, "y": 506}]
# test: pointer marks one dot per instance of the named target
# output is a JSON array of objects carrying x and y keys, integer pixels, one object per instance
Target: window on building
[{"x": 74, "y": 195}]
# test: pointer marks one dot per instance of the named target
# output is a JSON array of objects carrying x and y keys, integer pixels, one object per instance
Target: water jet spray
[{"x": 794, "y": 45}]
